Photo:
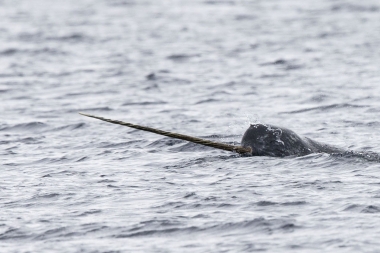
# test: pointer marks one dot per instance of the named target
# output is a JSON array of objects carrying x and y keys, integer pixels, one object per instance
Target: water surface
[{"x": 202, "y": 68}]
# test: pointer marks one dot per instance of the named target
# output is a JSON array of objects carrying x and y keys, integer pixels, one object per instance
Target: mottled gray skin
[{"x": 269, "y": 140}]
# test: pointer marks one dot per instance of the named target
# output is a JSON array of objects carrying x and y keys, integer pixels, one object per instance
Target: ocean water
[{"x": 201, "y": 68}]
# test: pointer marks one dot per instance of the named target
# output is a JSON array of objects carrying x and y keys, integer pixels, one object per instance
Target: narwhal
[{"x": 260, "y": 140}]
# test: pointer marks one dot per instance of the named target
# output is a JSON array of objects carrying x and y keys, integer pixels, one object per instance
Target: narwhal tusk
[{"x": 227, "y": 147}]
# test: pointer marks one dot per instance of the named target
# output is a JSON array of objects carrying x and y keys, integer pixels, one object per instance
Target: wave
[
  {"x": 145, "y": 103},
  {"x": 362, "y": 208},
  {"x": 122, "y": 144},
  {"x": 68, "y": 127},
  {"x": 40, "y": 51},
  {"x": 258, "y": 225},
  {"x": 182, "y": 57},
  {"x": 101, "y": 109},
  {"x": 367, "y": 155},
  {"x": 355, "y": 8},
  {"x": 325, "y": 107},
  {"x": 31, "y": 126},
  {"x": 210, "y": 100}
]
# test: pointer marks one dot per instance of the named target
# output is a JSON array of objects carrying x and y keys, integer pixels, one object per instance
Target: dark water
[{"x": 203, "y": 68}]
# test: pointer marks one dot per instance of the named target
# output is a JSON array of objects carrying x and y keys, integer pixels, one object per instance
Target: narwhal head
[
  {"x": 268, "y": 140},
  {"x": 264, "y": 140}
]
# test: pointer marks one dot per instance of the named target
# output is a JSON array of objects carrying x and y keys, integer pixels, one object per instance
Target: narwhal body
[{"x": 269, "y": 140}]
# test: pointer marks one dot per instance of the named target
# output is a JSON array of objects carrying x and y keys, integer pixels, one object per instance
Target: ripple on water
[
  {"x": 27, "y": 127},
  {"x": 328, "y": 107},
  {"x": 68, "y": 127},
  {"x": 356, "y": 208},
  {"x": 254, "y": 226}
]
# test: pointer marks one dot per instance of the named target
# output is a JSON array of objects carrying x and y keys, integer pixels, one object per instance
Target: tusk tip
[{"x": 85, "y": 114}]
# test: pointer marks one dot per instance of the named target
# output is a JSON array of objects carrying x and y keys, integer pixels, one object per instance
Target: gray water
[{"x": 202, "y": 68}]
